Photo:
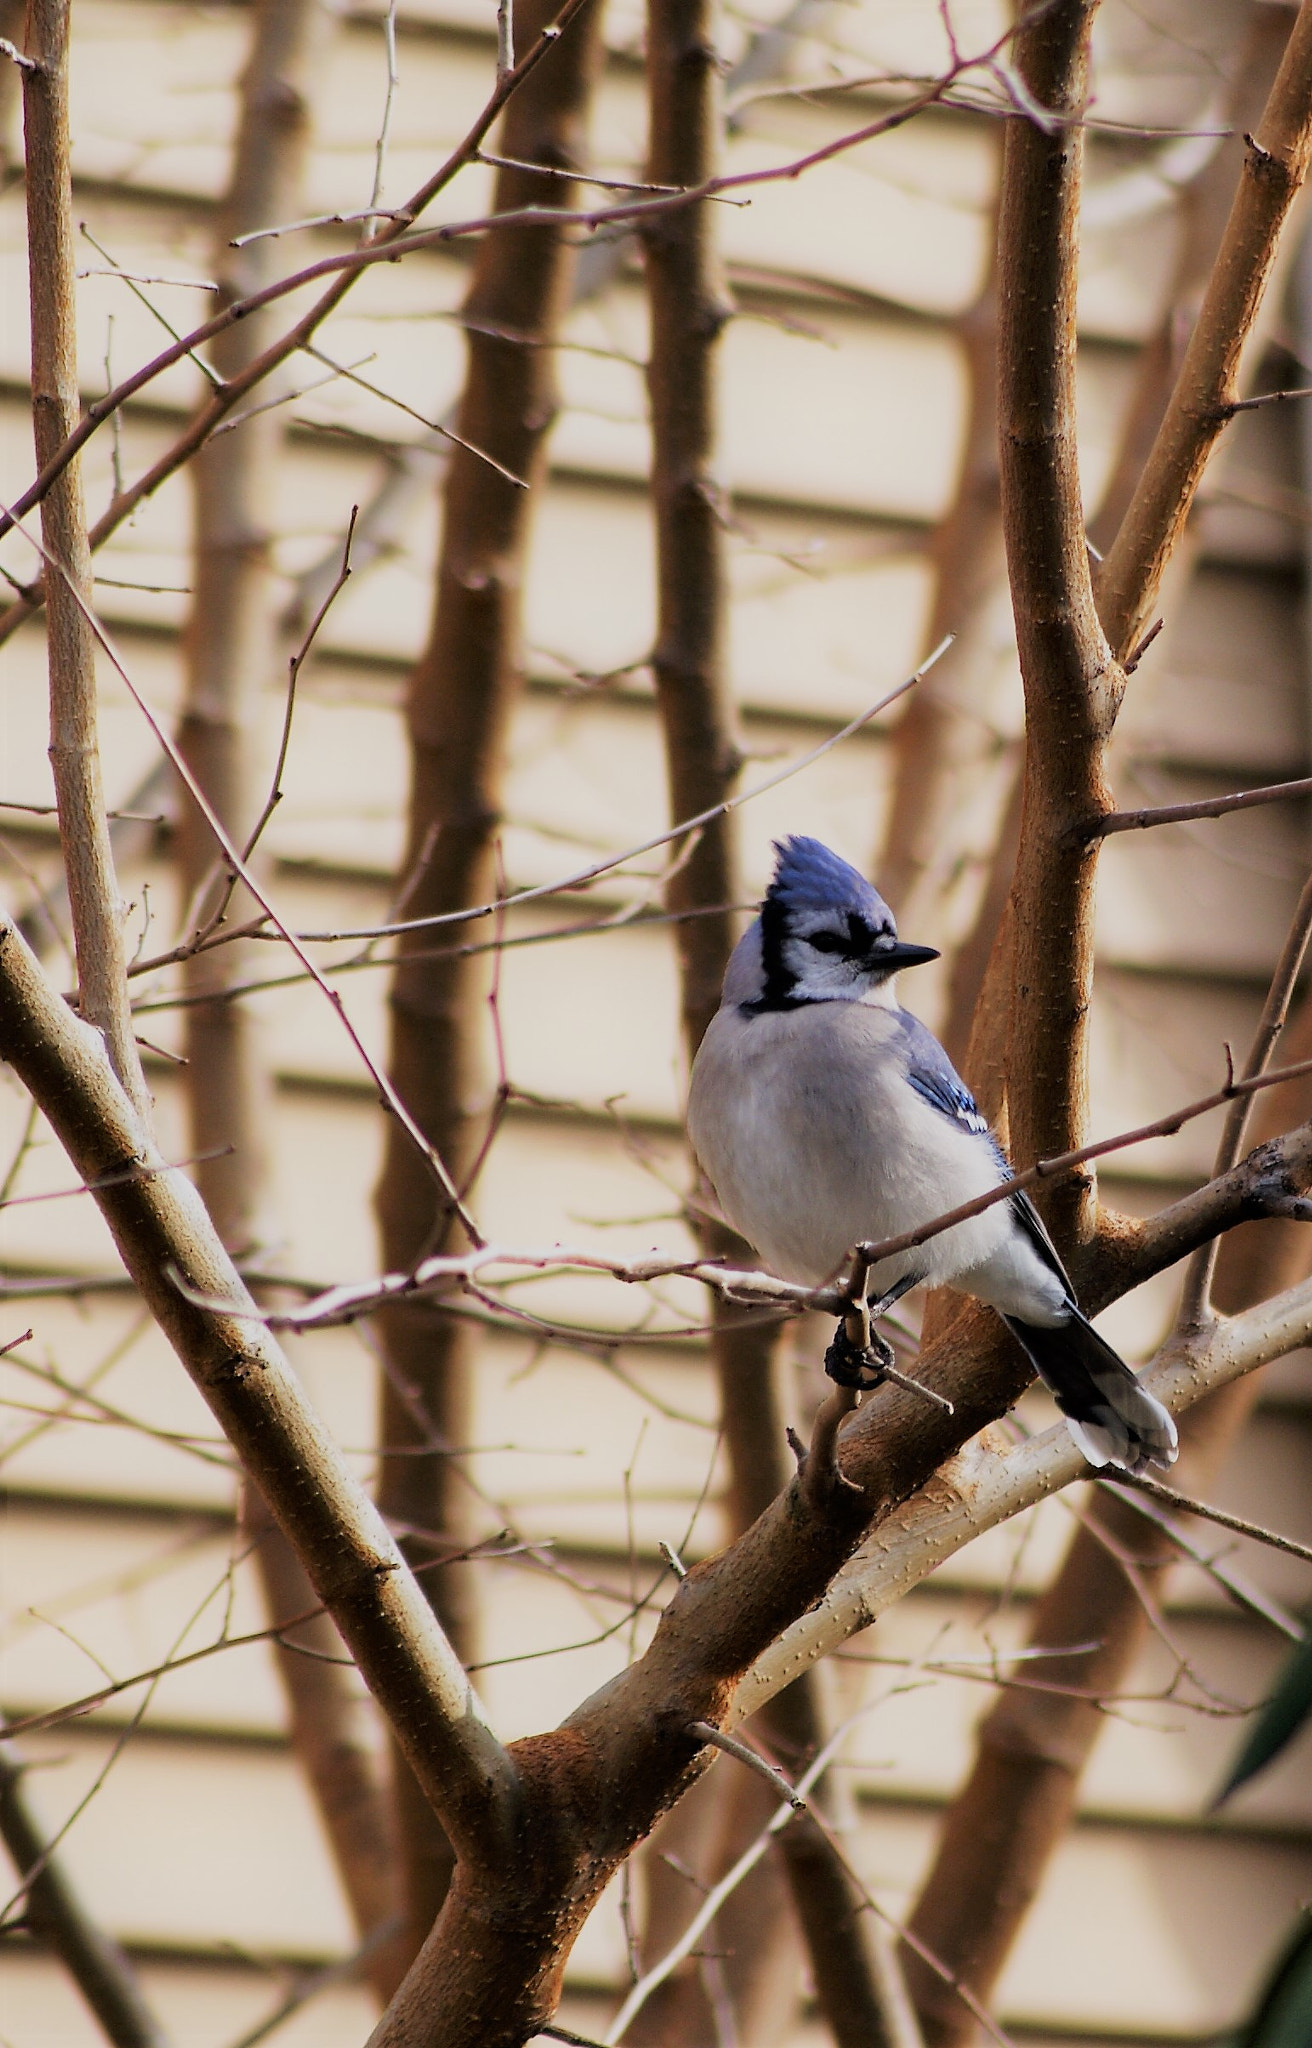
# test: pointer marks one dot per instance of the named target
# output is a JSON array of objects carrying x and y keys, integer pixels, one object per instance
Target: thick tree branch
[
  {"x": 162, "y": 1230},
  {"x": 232, "y": 648},
  {"x": 1204, "y": 209},
  {"x": 1072, "y": 689},
  {"x": 97, "y": 911},
  {"x": 491, "y": 1969},
  {"x": 689, "y": 306},
  {"x": 1272, "y": 1181},
  {"x": 986, "y": 1484},
  {"x": 1206, "y": 389}
]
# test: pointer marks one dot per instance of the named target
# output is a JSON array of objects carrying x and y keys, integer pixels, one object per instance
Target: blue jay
[{"x": 826, "y": 1115}]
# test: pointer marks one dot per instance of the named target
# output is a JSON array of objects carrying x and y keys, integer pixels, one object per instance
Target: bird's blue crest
[{"x": 808, "y": 876}]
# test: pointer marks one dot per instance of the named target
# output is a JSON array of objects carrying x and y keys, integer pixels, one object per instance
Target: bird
[{"x": 824, "y": 1116}]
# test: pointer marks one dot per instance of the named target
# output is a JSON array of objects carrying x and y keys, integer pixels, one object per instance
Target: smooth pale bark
[{"x": 94, "y": 902}]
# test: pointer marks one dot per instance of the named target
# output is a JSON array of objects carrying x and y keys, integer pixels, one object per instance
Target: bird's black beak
[{"x": 902, "y": 955}]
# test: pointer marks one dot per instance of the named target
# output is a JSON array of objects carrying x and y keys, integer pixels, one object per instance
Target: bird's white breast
[{"x": 814, "y": 1140}]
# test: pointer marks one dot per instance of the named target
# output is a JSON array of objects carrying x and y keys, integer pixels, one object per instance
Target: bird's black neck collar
[{"x": 779, "y": 991}]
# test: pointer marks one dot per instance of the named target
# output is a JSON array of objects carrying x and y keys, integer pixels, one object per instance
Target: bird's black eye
[{"x": 828, "y": 942}]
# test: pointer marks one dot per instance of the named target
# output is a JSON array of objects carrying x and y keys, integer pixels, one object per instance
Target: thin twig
[
  {"x": 75, "y": 761},
  {"x": 386, "y": 1091},
  {"x": 731, "y": 1746},
  {"x": 348, "y": 1302},
  {"x": 294, "y": 667},
  {"x": 1206, "y": 807},
  {"x": 393, "y": 80},
  {"x": 583, "y": 876},
  {"x": 1185, "y": 1505},
  {"x": 1196, "y": 1293},
  {"x": 1265, "y": 398}
]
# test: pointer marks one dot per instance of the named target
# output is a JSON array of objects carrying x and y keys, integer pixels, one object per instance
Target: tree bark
[
  {"x": 689, "y": 307},
  {"x": 232, "y": 650}
]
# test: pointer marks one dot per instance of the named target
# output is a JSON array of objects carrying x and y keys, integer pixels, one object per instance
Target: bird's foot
[{"x": 850, "y": 1366}]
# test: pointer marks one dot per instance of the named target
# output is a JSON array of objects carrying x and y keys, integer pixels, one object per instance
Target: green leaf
[
  {"x": 1283, "y": 2018},
  {"x": 1289, "y": 1706}
]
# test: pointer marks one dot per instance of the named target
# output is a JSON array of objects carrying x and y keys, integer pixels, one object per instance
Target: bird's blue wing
[{"x": 932, "y": 1074}]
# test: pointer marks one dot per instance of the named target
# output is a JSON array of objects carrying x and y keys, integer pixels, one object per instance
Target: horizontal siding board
[
  {"x": 124, "y": 1590},
  {"x": 1158, "y": 1758},
  {"x": 207, "y": 2005},
  {"x": 265, "y": 1882},
  {"x": 1224, "y": 691},
  {"x": 1179, "y": 1939},
  {"x": 84, "y": 1592},
  {"x": 106, "y": 1343},
  {"x": 1162, "y": 1952}
]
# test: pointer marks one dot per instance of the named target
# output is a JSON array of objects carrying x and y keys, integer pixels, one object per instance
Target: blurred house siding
[{"x": 845, "y": 410}]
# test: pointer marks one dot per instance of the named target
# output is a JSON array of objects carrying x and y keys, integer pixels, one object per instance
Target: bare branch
[
  {"x": 1071, "y": 688},
  {"x": 567, "y": 884},
  {"x": 1006, "y": 1822},
  {"x": 343, "y": 270},
  {"x": 232, "y": 658},
  {"x": 1183, "y": 1503},
  {"x": 1206, "y": 807},
  {"x": 391, "y": 248},
  {"x": 387, "y": 1094},
  {"x": 1205, "y": 393},
  {"x": 97, "y": 910},
  {"x": 984, "y": 1485}
]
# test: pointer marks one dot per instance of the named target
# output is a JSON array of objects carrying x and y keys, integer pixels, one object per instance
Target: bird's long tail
[{"x": 1112, "y": 1418}]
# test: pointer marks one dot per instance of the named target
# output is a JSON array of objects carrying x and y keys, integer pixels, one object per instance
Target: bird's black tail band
[{"x": 1112, "y": 1418}]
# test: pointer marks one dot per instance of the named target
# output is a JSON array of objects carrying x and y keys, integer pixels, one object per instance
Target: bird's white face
[{"x": 834, "y": 955}]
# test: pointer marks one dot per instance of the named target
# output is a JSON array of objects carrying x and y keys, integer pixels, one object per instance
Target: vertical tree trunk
[
  {"x": 689, "y": 306},
  {"x": 233, "y": 645},
  {"x": 462, "y": 693}
]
